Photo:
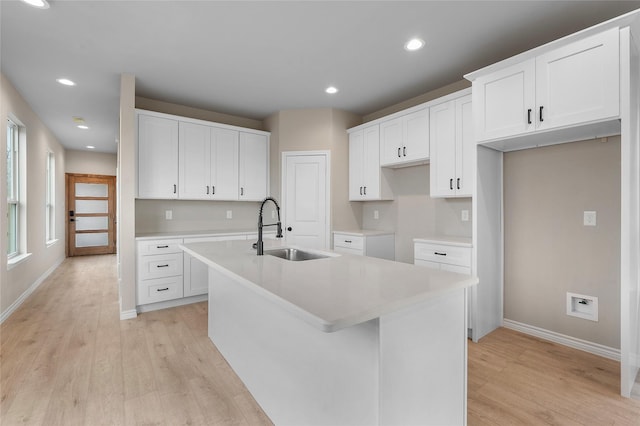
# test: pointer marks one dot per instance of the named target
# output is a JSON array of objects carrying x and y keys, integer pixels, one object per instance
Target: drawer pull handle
[
  {"x": 439, "y": 254},
  {"x": 162, "y": 289},
  {"x": 348, "y": 241},
  {"x": 529, "y": 116},
  {"x": 404, "y": 151},
  {"x": 541, "y": 119},
  {"x": 451, "y": 184},
  {"x": 162, "y": 246},
  {"x": 399, "y": 153},
  {"x": 458, "y": 183},
  {"x": 162, "y": 266}
]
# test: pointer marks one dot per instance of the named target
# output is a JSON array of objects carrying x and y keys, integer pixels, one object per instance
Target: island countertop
[{"x": 331, "y": 293}]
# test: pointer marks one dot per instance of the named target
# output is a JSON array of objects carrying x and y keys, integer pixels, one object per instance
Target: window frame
[
  {"x": 13, "y": 189},
  {"x": 50, "y": 202}
]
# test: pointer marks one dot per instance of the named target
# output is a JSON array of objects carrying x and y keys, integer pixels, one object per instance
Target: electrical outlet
[
  {"x": 465, "y": 215},
  {"x": 376, "y": 214},
  {"x": 229, "y": 214},
  {"x": 168, "y": 214},
  {"x": 589, "y": 218}
]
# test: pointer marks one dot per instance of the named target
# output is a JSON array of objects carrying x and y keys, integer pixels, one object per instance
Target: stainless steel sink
[{"x": 294, "y": 254}]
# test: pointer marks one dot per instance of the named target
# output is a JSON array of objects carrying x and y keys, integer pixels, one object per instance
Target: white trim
[
  {"x": 572, "y": 342},
  {"x": 15, "y": 305},
  {"x": 130, "y": 314},
  {"x": 14, "y": 261},
  {"x": 283, "y": 192},
  {"x": 171, "y": 303},
  {"x": 52, "y": 242}
]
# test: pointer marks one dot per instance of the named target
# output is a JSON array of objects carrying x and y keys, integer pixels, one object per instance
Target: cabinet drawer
[
  {"x": 451, "y": 255},
  {"x": 348, "y": 241},
  {"x": 347, "y": 250},
  {"x": 159, "y": 266},
  {"x": 148, "y": 247},
  {"x": 160, "y": 289}
]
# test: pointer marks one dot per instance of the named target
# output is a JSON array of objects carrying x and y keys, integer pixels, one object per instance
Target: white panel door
[
  {"x": 253, "y": 166},
  {"x": 194, "y": 169},
  {"x": 505, "y": 102},
  {"x": 305, "y": 199},
  {"x": 443, "y": 149},
  {"x": 391, "y": 141},
  {"x": 356, "y": 165},
  {"x": 416, "y": 135},
  {"x": 224, "y": 164},
  {"x": 157, "y": 157}
]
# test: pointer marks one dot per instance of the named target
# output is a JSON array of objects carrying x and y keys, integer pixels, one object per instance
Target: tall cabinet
[{"x": 366, "y": 180}]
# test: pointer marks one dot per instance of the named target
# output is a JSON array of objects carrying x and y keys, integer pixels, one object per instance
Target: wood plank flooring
[{"x": 67, "y": 359}]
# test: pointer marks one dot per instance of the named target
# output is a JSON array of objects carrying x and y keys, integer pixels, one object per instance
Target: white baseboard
[
  {"x": 173, "y": 303},
  {"x": 572, "y": 342},
  {"x": 15, "y": 305},
  {"x": 130, "y": 314}
]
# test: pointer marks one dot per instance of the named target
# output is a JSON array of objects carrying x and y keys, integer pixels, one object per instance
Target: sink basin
[{"x": 294, "y": 254}]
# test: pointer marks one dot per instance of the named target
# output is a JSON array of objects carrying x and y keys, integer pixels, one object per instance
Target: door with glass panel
[{"x": 91, "y": 214}]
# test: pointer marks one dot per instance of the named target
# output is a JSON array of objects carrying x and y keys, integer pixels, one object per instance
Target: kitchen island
[{"x": 342, "y": 339}]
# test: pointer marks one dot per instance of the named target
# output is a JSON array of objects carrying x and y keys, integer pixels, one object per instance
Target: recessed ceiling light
[
  {"x": 66, "y": 82},
  {"x": 40, "y": 4},
  {"x": 91, "y": 147},
  {"x": 83, "y": 127},
  {"x": 414, "y": 44},
  {"x": 331, "y": 90}
]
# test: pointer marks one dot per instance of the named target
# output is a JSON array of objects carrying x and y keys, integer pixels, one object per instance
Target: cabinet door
[
  {"x": 253, "y": 166},
  {"x": 465, "y": 148},
  {"x": 442, "y": 169},
  {"x": 194, "y": 165},
  {"x": 416, "y": 135},
  {"x": 157, "y": 157},
  {"x": 504, "y": 102},
  {"x": 196, "y": 276},
  {"x": 356, "y": 164},
  {"x": 579, "y": 83},
  {"x": 224, "y": 164},
  {"x": 391, "y": 141},
  {"x": 371, "y": 163}
]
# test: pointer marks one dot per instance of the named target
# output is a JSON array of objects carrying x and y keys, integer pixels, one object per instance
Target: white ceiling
[{"x": 253, "y": 58}]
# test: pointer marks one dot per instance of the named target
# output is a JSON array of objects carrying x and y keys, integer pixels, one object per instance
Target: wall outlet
[
  {"x": 464, "y": 216},
  {"x": 376, "y": 214},
  {"x": 589, "y": 218},
  {"x": 229, "y": 214},
  {"x": 581, "y": 306},
  {"x": 168, "y": 214}
]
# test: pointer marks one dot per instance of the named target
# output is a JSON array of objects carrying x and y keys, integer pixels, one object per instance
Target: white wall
[
  {"x": 91, "y": 163},
  {"x": 19, "y": 281}
]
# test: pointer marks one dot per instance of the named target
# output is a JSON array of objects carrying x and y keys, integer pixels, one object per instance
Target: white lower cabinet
[
  {"x": 366, "y": 243},
  {"x": 166, "y": 273}
]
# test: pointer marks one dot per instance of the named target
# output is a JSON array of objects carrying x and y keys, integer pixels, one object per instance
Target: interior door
[
  {"x": 306, "y": 199},
  {"x": 91, "y": 214}
]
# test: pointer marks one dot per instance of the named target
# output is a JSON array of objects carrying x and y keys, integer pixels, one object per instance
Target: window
[
  {"x": 50, "y": 212},
  {"x": 13, "y": 190}
]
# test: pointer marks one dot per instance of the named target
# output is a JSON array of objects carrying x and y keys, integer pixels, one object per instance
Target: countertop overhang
[{"x": 331, "y": 293}]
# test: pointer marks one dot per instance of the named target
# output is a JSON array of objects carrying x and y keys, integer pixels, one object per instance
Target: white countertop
[
  {"x": 330, "y": 293},
  {"x": 364, "y": 232},
  {"x": 449, "y": 241}
]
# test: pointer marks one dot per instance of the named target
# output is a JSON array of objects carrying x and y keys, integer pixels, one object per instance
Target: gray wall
[{"x": 548, "y": 251}]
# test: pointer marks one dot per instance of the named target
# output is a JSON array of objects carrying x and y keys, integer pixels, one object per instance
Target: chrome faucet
[{"x": 260, "y": 245}]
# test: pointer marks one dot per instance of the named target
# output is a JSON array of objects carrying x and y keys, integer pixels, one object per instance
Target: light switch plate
[
  {"x": 465, "y": 215},
  {"x": 589, "y": 218},
  {"x": 376, "y": 214},
  {"x": 229, "y": 214},
  {"x": 168, "y": 214}
]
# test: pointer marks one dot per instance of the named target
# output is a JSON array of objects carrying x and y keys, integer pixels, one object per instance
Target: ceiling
[{"x": 253, "y": 58}]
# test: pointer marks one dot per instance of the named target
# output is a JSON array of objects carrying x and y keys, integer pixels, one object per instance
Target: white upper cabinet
[
  {"x": 452, "y": 144},
  {"x": 253, "y": 166},
  {"x": 568, "y": 86},
  {"x": 157, "y": 157},
  {"x": 192, "y": 159},
  {"x": 224, "y": 164},
  {"x": 404, "y": 140},
  {"x": 366, "y": 180}
]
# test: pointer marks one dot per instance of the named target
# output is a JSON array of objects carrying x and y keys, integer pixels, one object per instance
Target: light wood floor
[{"x": 67, "y": 359}]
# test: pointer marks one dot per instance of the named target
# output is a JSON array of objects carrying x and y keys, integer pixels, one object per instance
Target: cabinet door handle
[
  {"x": 162, "y": 266},
  {"x": 458, "y": 183},
  {"x": 241, "y": 191},
  {"x": 360, "y": 190},
  {"x": 213, "y": 190},
  {"x": 175, "y": 188},
  {"x": 451, "y": 184},
  {"x": 365, "y": 190},
  {"x": 162, "y": 246},
  {"x": 529, "y": 116},
  {"x": 439, "y": 254},
  {"x": 404, "y": 151},
  {"x": 162, "y": 289},
  {"x": 541, "y": 119},
  {"x": 207, "y": 189},
  {"x": 399, "y": 153}
]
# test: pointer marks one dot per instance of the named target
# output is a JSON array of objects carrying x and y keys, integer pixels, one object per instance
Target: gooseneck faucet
[{"x": 260, "y": 244}]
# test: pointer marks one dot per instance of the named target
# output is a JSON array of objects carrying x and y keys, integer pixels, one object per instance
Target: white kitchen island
[{"x": 343, "y": 340}]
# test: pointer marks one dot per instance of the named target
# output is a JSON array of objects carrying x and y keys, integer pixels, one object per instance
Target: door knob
[{"x": 289, "y": 229}]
